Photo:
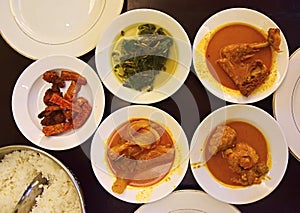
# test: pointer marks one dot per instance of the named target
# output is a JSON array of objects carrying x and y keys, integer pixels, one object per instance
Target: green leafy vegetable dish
[{"x": 144, "y": 56}]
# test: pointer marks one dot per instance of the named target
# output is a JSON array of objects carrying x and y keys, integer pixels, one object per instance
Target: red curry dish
[
  {"x": 240, "y": 56},
  {"x": 236, "y": 154},
  {"x": 140, "y": 153}
]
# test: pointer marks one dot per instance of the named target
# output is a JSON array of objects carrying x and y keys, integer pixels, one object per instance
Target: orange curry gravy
[
  {"x": 143, "y": 165},
  {"x": 246, "y": 133},
  {"x": 231, "y": 34}
]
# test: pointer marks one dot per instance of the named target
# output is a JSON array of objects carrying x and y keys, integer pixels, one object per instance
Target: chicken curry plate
[
  {"x": 237, "y": 154},
  {"x": 240, "y": 56},
  {"x": 140, "y": 153}
]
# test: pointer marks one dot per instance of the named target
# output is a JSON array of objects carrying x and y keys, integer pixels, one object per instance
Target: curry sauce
[
  {"x": 234, "y": 33},
  {"x": 247, "y": 134},
  {"x": 141, "y": 152}
]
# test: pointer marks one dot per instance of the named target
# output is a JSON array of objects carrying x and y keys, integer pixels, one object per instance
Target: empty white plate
[
  {"x": 56, "y": 21},
  {"x": 37, "y": 29}
]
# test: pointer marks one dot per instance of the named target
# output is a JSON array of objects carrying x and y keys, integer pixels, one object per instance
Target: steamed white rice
[{"x": 17, "y": 170}]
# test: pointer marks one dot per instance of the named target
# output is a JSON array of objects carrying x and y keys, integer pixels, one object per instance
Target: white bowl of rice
[{"x": 19, "y": 165}]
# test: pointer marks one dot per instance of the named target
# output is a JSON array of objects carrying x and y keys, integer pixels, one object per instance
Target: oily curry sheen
[
  {"x": 233, "y": 34},
  {"x": 141, "y": 153},
  {"x": 246, "y": 134}
]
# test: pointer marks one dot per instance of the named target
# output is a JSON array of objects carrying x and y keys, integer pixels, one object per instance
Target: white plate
[
  {"x": 27, "y": 102},
  {"x": 107, "y": 40},
  {"x": 286, "y": 104},
  {"x": 277, "y": 148},
  {"x": 187, "y": 201},
  {"x": 240, "y": 15},
  {"x": 139, "y": 194},
  {"x": 56, "y": 21},
  {"x": 37, "y": 29}
]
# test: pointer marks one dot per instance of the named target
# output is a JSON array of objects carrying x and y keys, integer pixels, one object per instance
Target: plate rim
[
  {"x": 182, "y": 193},
  {"x": 293, "y": 146},
  {"x": 21, "y": 92}
]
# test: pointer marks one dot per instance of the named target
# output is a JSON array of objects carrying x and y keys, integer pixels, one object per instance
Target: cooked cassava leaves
[{"x": 140, "y": 57}]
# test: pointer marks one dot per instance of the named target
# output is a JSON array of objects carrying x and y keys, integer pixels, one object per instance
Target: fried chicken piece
[
  {"x": 48, "y": 110},
  {"x": 63, "y": 112},
  {"x": 57, "y": 128},
  {"x": 52, "y": 115},
  {"x": 73, "y": 76},
  {"x": 82, "y": 116},
  {"x": 222, "y": 138},
  {"x": 55, "y": 117},
  {"x": 48, "y": 95},
  {"x": 69, "y": 114},
  {"x": 72, "y": 91},
  {"x": 80, "y": 101},
  {"x": 63, "y": 103},
  {"x": 247, "y": 73},
  {"x": 52, "y": 76}
]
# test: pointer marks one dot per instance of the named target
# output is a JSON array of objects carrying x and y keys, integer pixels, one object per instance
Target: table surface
[{"x": 190, "y": 14}]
